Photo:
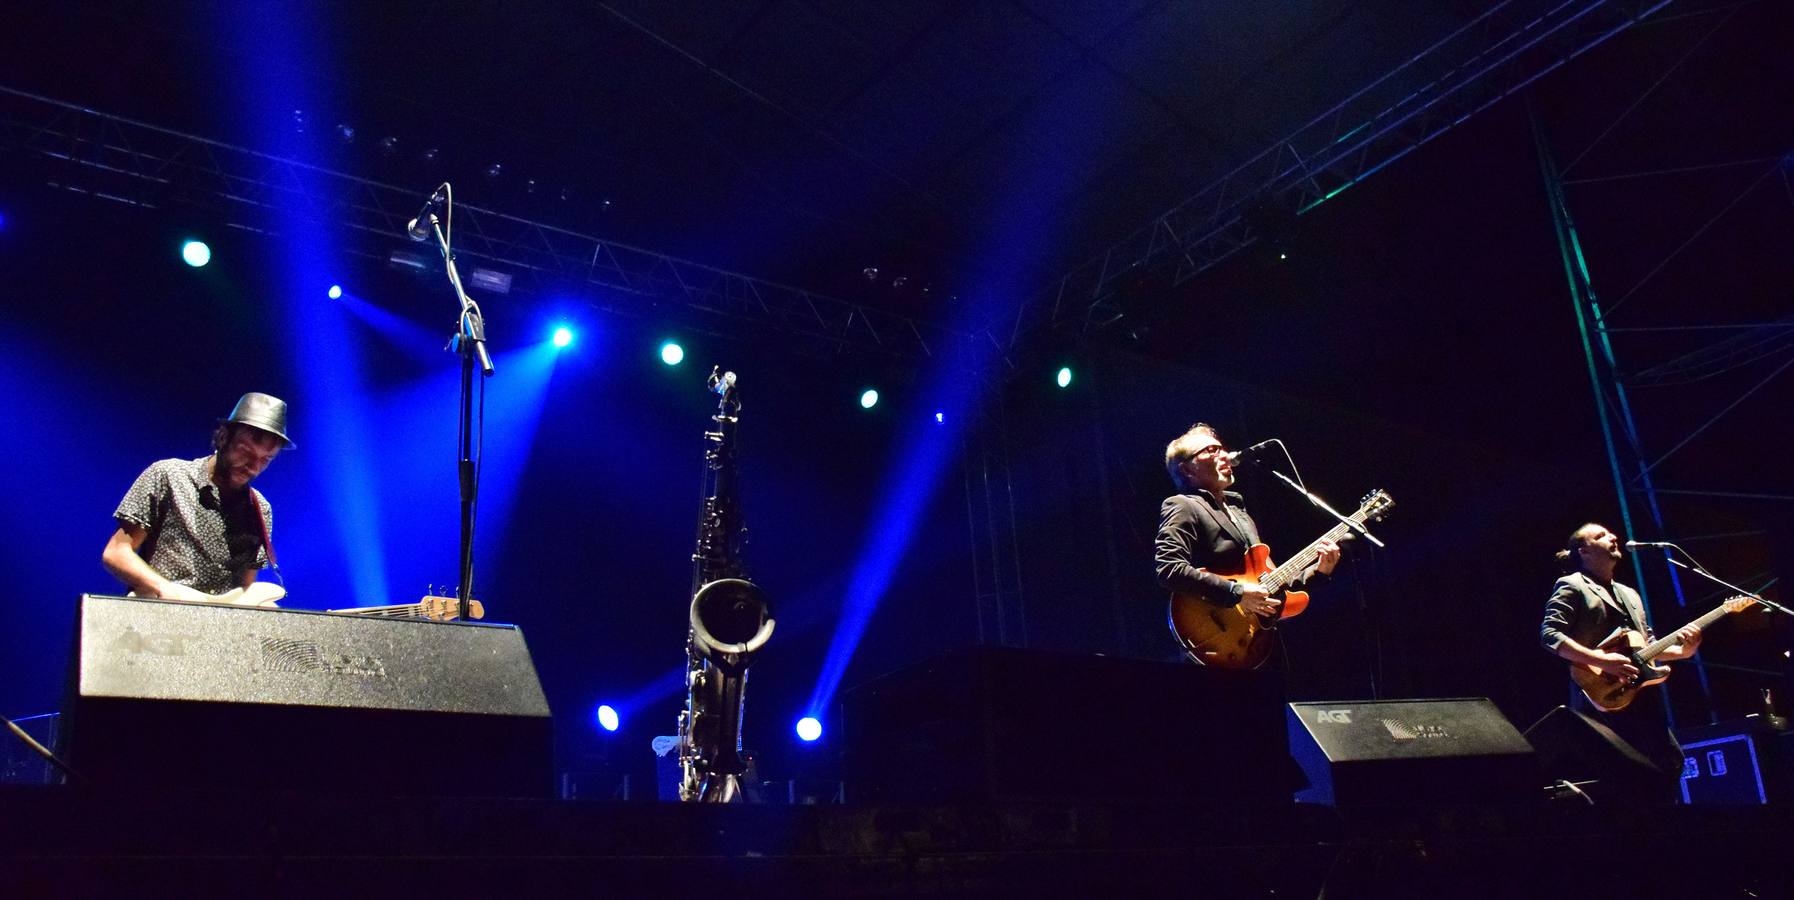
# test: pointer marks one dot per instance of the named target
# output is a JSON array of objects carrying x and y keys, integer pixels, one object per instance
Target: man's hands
[
  {"x": 1327, "y": 557},
  {"x": 1614, "y": 664},
  {"x": 168, "y": 590},
  {"x": 1254, "y": 599}
]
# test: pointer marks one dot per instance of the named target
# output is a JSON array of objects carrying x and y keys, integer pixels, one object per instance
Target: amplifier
[
  {"x": 178, "y": 695},
  {"x": 1410, "y": 751},
  {"x": 1740, "y": 761}
]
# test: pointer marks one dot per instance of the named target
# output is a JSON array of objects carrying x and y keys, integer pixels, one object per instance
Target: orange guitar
[{"x": 1228, "y": 637}]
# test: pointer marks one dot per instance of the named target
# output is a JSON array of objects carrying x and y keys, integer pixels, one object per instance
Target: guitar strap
[{"x": 261, "y": 520}]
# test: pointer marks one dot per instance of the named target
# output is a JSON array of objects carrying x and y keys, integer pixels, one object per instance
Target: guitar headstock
[
  {"x": 1375, "y": 505},
  {"x": 448, "y": 609},
  {"x": 1739, "y": 603}
]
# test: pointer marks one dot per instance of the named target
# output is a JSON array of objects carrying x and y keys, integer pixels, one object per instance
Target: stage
[{"x": 66, "y": 843}]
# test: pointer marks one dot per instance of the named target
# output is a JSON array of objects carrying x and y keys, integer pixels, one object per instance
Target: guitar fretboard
[
  {"x": 1664, "y": 643},
  {"x": 1280, "y": 577}
]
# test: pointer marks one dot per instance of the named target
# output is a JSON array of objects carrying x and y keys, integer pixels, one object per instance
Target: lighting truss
[
  {"x": 128, "y": 161},
  {"x": 1499, "y": 52}
]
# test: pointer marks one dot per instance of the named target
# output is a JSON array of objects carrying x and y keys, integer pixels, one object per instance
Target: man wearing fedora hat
[{"x": 195, "y": 529}]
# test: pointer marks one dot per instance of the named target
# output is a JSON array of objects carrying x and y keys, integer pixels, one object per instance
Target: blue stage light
[
  {"x": 607, "y": 718},
  {"x": 1064, "y": 378},
  {"x": 2, "y": 221},
  {"x": 563, "y": 336},
  {"x": 335, "y": 292},
  {"x": 672, "y": 354},
  {"x": 869, "y": 399},
  {"x": 940, "y": 417},
  {"x": 196, "y": 253},
  {"x": 809, "y": 729}
]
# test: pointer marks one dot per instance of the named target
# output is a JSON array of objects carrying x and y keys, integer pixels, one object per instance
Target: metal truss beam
[
  {"x": 1501, "y": 51},
  {"x": 128, "y": 161}
]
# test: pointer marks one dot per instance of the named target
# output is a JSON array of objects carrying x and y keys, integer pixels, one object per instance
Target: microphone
[
  {"x": 1252, "y": 453},
  {"x": 1633, "y": 545},
  {"x": 419, "y": 227}
]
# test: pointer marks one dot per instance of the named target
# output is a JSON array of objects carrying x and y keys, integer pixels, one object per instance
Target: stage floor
[{"x": 66, "y": 843}]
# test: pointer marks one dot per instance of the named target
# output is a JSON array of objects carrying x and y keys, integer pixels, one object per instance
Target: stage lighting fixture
[
  {"x": 1064, "y": 377},
  {"x": 869, "y": 399},
  {"x": 672, "y": 354},
  {"x": 335, "y": 292},
  {"x": 563, "y": 336},
  {"x": 607, "y": 718},
  {"x": 940, "y": 417},
  {"x": 809, "y": 729},
  {"x": 196, "y": 253},
  {"x": 488, "y": 280}
]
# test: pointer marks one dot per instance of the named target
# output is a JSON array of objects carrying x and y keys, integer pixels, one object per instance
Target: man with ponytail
[{"x": 1586, "y": 606}]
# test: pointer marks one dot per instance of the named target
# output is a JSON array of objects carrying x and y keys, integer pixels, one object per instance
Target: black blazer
[
  {"x": 1195, "y": 533},
  {"x": 1582, "y": 610}
]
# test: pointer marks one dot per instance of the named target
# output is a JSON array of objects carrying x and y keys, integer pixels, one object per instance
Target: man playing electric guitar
[
  {"x": 1586, "y": 606},
  {"x": 1205, "y": 531},
  {"x": 194, "y": 529}
]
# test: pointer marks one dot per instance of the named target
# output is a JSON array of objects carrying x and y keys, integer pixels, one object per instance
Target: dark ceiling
[{"x": 791, "y": 139}]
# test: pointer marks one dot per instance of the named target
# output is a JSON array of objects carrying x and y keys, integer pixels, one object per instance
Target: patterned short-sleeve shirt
[{"x": 196, "y": 537}]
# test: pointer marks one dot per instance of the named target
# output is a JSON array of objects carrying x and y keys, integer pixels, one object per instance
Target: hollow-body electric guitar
[
  {"x": 1229, "y": 637},
  {"x": 1612, "y": 693}
]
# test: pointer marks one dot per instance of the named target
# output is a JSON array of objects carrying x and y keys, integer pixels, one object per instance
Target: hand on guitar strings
[
  {"x": 1616, "y": 665},
  {"x": 1685, "y": 641},
  {"x": 1254, "y": 599},
  {"x": 1326, "y": 556}
]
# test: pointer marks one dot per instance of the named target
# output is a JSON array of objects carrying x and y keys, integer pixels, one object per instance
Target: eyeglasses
[{"x": 1211, "y": 451}]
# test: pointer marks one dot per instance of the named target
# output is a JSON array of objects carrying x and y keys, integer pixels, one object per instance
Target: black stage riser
[
  {"x": 999, "y": 724},
  {"x": 171, "y": 696}
]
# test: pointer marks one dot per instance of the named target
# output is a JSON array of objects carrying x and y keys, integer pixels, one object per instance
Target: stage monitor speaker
[
  {"x": 1392, "y": 752},
  {"x": 175, "y": 695},
  {"x": 999, "y": 725},
  {"x": 1576, "y": 748}
]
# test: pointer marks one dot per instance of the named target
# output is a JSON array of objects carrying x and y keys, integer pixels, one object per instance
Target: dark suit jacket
[
  {"x": 1582, "y": 610},
  {"x": 1195, "y": 533}
]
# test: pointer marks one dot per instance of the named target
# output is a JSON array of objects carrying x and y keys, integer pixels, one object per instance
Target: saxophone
[{"x": 730, "y": 621}]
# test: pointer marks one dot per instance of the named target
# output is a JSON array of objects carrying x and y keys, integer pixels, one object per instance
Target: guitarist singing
[
  {"x": 194, "y": 529},
  {"x": 1586, "y": 606},
  {"x": 1206, "y": 527}
]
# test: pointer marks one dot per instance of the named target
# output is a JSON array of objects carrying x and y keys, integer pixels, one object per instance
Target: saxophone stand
[{"x": 469, "y": 341}]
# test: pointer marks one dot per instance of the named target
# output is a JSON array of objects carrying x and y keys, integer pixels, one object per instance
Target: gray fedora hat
[{"x": 264, "y": 411}]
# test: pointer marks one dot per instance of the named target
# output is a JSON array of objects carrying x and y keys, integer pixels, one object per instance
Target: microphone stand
[
  {"x": 1696, "y": 569},
  {"x": 1356, "y": 527},
  {"x": 470, "y": 342}
]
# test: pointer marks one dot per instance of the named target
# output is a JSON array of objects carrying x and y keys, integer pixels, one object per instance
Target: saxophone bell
[{"x": 730, "y": 621}]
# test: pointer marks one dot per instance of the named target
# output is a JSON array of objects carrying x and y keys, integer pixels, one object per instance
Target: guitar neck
[
  {"x": 1661, "y": 644},
  {"x": 399, "y": 611},
  {"x": 1280, "y": 577}
]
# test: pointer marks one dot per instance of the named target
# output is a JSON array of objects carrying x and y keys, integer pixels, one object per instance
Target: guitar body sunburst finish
[{"x": 1228, "y": 637}]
